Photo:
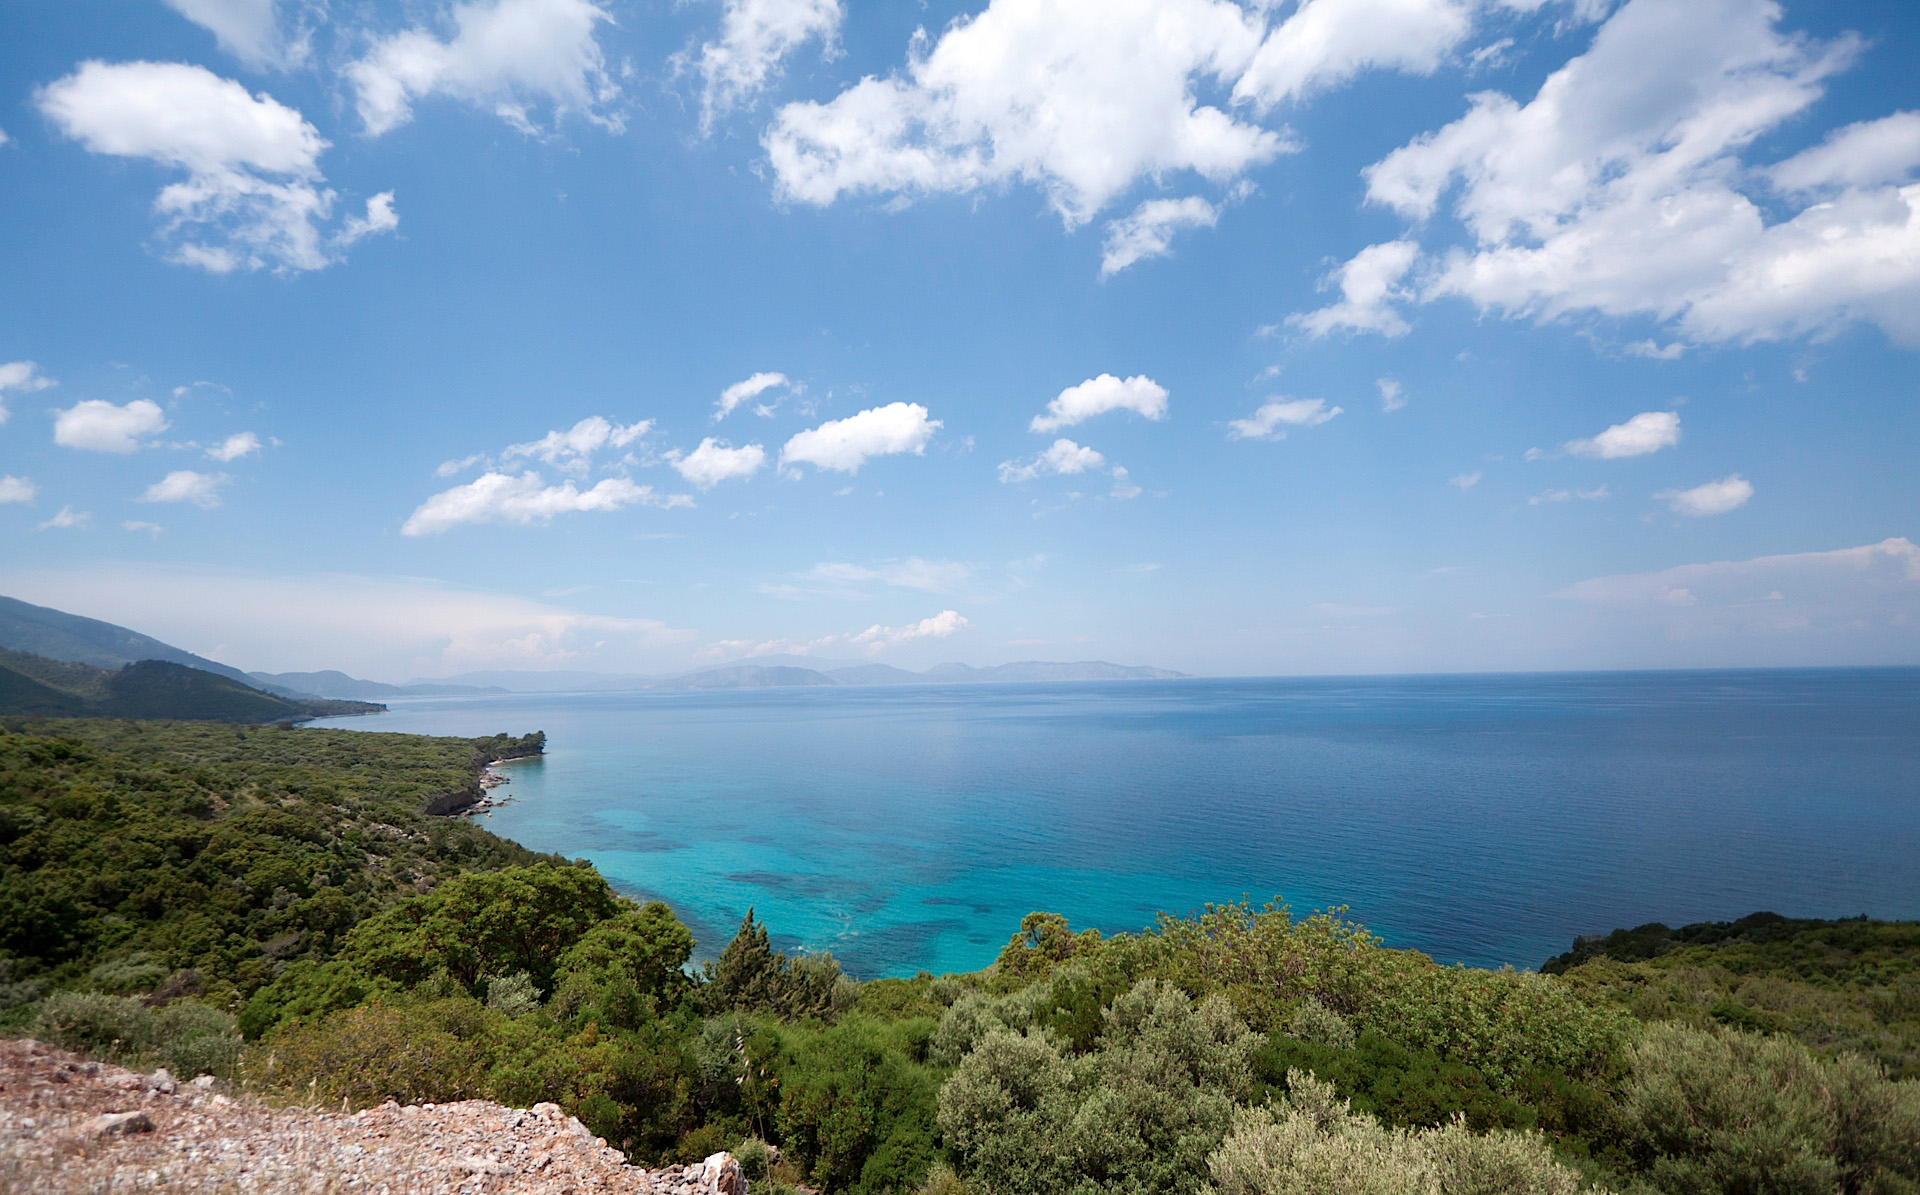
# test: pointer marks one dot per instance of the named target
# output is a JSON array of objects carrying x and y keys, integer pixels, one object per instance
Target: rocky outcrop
[{"x": 67, "y": 1124}]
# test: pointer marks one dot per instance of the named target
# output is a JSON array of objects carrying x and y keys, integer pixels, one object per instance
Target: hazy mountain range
[{"x": 57, "y": 635}]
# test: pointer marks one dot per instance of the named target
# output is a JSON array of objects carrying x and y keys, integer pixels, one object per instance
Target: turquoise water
[{"x": 1484, "y": 819}]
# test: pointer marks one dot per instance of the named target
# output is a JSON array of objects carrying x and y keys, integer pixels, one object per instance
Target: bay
[{"x": 1482, "y": 819}]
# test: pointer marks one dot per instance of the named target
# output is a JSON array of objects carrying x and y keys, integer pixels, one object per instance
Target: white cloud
[
  {"x": 17, "y": 489},
  {"x": 755, "y": 37},
  {"x": 525, "y": 500},
  {"x": 1593, "y": 495},
  {"x": 715, "y": 461},
  {"x": 572, "y": 450},
  {"x": 384, "y": 627},
  {"x": 253, "y": 197},
  {"x": 846, "y": 444},
  {"x": 1276, "y": 415},
  {"x": 152, "y": 529},
  {"x": 68, "y": 519},
  {"x": 876, "y": 639},
  {"x": 1148, "y": 231},
  {"x": 1617, "y": 190},
  {"x": 185, "y": 485},
  {"x": 1852, "y": 604},
  {"x": 1326, "y": 42},
  {"x": 1062, "y": 458},
  {"x": 234, "y": 447},
  {"x": 1713, "y": 498},
  {"x": 3, "y": 137},
  {"x": 1097, "y": 396},
  {"x": 751, "y": 388},
  {"x": 1649, "y": 431},
  {"x": 1392, "y": 395},
  {"x": 1466, "y": 481},
  {"x": 1866, "y": 154},
  {"x": 1370, "y": 285},
  {"x": 1653, "y": 350},
  {"x": 99, "y": 426},
  {"x": 1081, "y": 98},
  {"x": 249, "y": 30},
  {"x": 503, "y": 55},
  {"x": 22, "y": 376},
  {"x": 380, "y": 217},
  {"x": 1123, "y": 487},
  {"x": 928, "y": 576}
]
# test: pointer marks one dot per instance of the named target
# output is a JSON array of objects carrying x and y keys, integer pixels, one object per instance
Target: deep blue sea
[{"x": 1482, "y": 819}]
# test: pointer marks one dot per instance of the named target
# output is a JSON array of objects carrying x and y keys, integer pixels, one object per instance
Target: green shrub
[
  {"x": 1138, "y": 1114},
  {"x": 1713, "y": 1110},
  {"x": 1313, "y": 1143},
  {"x": 185, "y": 1036},
  {"x": 1314, "y": 1022},
  {"x": 855, "y": 1112},
  {"x": 755, "y": 1157},
  {"x": 407, "y": 1052},
  {"x": 513, "y": 995}
]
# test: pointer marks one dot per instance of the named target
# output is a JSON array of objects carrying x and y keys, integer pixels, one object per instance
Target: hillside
[
  {"x": 57, "y": 635},
  {"x": 31, "y": 684},
  {"x": 336, "y": 684}
]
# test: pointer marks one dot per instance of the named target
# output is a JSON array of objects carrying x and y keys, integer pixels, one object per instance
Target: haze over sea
[{"x": 1483, "y": 819}]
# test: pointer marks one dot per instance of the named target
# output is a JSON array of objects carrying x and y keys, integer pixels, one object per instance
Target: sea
[{"x": 1486, "y": 820}]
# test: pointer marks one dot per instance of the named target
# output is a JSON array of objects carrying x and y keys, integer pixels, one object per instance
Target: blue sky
[{"x": 1335, "y": 336}]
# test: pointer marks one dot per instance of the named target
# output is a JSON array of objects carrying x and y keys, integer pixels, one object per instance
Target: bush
[
  {"x": 1313, "y": 1143},
  {"x": 187, "y": 1037},
  {"x": 1315, "y": 1022},
  {"x": 855, "y": 1112},
  {"x": 409, "y": 1053},
  {"x": 1138, "y": 1114},
  {"x": 1726, "y": 1110}
]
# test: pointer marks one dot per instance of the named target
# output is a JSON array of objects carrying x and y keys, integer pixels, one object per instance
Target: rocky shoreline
[{"x": 69, "y": 1125}]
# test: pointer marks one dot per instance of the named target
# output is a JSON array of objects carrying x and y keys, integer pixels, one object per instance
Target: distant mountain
[
  {"x": 514, "y": 681},
  {"x": 57, "y": 635},
  {"x": 1043, "y": 670},
  {"x": 746, "y": 676},
  {"x": 31, "y": 684},
  {"x": 331, "y": 683},
  {"x": 876, "y": 674}
]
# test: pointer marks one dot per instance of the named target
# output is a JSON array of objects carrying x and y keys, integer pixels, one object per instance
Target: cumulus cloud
[
  {"x": 97, "y": 425},
  {"x": 572, "y": 450},
  {"x": 846, "y": 444},
  {"x": 1080, "y": 97},
  {"x": 253, "y": 197},
  {"x": 1618, "y": 189},
  {"x": 1097, "y": 396},
  {"x": 756, "y": 36},
  {"x": 1649, "y": 431},
  {"x": 68, "y": 519},
  {"x": 23, "y": 377},
  {"x": 385, "y": 627},
  {"x": 234, "y": 447},
  {"x": 1326, "y": 42},
  {"x": 1148, "y": 231},
  {"x": 17, "y": 489},
  {"x": 1713, "y": 498},
  {"x": 747, "y": 390},
  {"x": 1277, "y": 415},
  {"x": 526, "y": 500},
  {"x": 250, "y": 30},
  {"x": 503, "y": 55},
  {"x": 185, "y": 485},
  {"x": 1062, "y": 458},
  {"x": 1370, "y": 286},
  {"x": 876, "y": 639},
  {"x": 715, "y": 461},
  {"x": 1392, "y": 395}
]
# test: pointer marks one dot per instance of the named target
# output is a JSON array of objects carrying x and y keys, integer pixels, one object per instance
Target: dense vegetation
[
  {"x": 36, "y": 685},
  {"x": 1240, "y": 1050}
]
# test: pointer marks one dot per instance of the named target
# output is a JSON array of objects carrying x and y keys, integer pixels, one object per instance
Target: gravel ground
[{"x": 69, "y": 1126}]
